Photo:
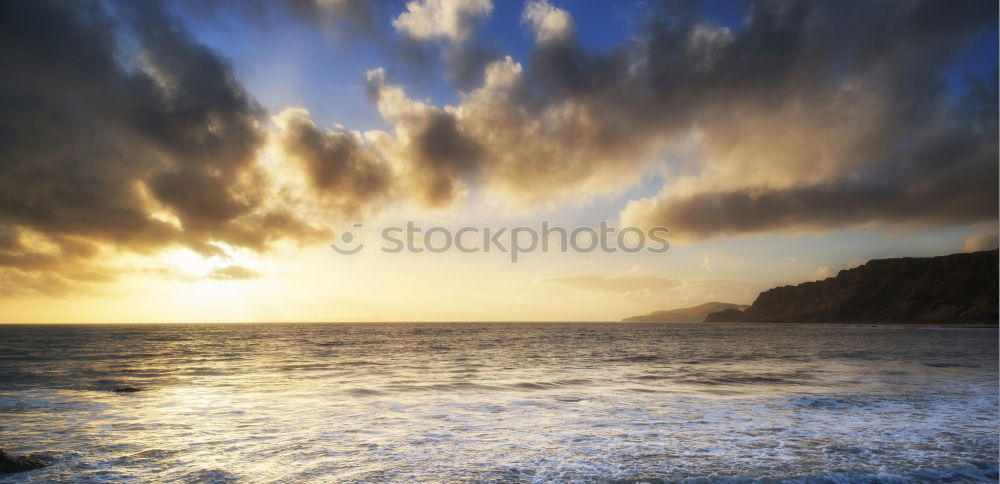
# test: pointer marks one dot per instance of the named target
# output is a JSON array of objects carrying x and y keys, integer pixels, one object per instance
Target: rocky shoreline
[{"x": 959, "y": 289}]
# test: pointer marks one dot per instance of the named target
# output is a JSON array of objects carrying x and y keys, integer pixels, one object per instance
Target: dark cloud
[
  {"x": 339, "y": 168},
  {"x": 802, "y": 104},
  {"x": 825, "y": 205},
  {"x": 120, "y": 133},
  {"x": 465, "y": 63},
  {"x": 437, "y": 154},
  {"x": 444, "y": 156},
  {"x": 446, "y": 30},
  {"x": 777, "y": 121},
  {"x": 810, "y": 115},
  {"x": 129, "y": 146},
  {"x": 946, "y": 175}
]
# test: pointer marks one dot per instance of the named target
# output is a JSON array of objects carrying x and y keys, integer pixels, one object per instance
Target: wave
[
  {"x": 968, "y": 472},
  {"x": 817, "y": 402},
  {"x": 740, "y": 378},
  {"x": 950, "y": 365},
  {"x": 634, "y": 359}
]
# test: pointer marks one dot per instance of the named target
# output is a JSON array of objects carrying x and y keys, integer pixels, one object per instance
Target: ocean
[{"x": 512, "y": 402}]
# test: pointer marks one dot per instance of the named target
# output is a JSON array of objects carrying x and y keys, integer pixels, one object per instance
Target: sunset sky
[{"x": 192, "y": 161}]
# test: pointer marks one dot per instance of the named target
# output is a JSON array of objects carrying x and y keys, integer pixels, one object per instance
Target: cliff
[
  {"x": 694, "y": 314},
  {"x": 725, "y": 316},
  {"x": 957, "y": 288}
]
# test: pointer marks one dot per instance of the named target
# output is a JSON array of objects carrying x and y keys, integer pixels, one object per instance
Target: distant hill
[
  {"x": 684, "y": 315},
  {"x": 952, "y": 289},
  {"x": 725, "y": 316}
]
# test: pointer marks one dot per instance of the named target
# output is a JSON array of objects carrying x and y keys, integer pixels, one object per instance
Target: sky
[{"x": 194, "y": 160}]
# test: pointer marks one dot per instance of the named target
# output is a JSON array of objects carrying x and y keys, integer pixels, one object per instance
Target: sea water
[{"x": 525, "y": 402}]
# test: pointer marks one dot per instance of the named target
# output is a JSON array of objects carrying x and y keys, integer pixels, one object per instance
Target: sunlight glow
[{"x": 190, "y": 263}]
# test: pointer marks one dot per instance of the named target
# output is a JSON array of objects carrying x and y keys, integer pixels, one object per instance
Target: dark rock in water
[
  {"x": 15, "y": 463},
  {"x": 127, "y": 390},
  {"x": 725, "y": 316},
  {"x": 952, "y": 289}
]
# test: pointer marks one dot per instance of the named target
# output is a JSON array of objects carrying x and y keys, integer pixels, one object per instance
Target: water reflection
[{"x": 526, "y": 402}]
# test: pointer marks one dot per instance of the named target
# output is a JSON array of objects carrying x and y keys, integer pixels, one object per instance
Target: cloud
[
  {"x": 823, "y": 272},
  {"x": 232, "y": 272},
  {"x": 435, "y": 156},
  {"x": 107, "y": 149},
  {"x": 342, "y": 172},
  {"x": 947, "y": 181},
  {"x": 983, "y": 239},
  {"x": 450, "y": 25},
  {"x": 492, "y": 139},
  {"x": 935, "y": 169},
  {"x": 453, "y": 20},
  {"x": 120, "y": 133},
  {"x": 549, "y": 23},
  {"x": 804, "y": 144},
  {"x": 808, "y": 116}
]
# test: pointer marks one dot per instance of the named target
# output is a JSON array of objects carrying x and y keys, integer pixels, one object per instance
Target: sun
[{"x": 190, "y": 263}]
